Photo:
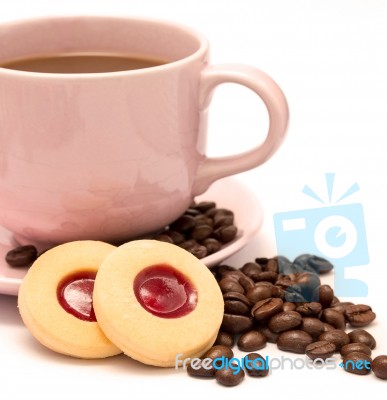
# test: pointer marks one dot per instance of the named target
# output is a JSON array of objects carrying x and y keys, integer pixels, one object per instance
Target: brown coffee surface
[{"x": 81, "y": 63}]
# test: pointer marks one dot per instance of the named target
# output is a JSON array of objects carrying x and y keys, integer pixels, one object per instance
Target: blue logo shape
[{"x": 334, "y": 232}]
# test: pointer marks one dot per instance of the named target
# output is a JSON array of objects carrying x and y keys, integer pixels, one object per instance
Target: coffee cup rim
[{"x": 197, "y": 54}]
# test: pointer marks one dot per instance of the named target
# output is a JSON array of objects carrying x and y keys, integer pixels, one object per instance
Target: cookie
[
  {"x": 55, "y": 300},
  {"x": 155, "y": 301}
]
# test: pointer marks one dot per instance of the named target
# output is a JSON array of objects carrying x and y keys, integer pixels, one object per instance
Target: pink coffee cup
[{"x": 113, "y": 155}]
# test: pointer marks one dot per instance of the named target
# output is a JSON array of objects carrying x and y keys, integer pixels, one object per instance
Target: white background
[{"x": 330, "y": 58}]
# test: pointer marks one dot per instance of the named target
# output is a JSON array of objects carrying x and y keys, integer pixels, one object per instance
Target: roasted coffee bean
[
  {"x": 379, "y": 366},
  {"x": 192, "y": 211},
  {"x": 198, "y": 251},
  {"x": 236, "y": 323},
  {"x": 359, "y": 315},
  {"x": 188, "y": 244},
  {"x": 324, "y": 295},
  {"x": 362, "y": 336},
  {"x": 321, "y": 350},
  {"x": 230, "y": 285},
  {"x": 265, "y": 309},
  {"x": 164, "y": 238},
  {"x": 283, "y": 263},
  {"x": 252, "y": 341},
  {"x": 278, "y": 292},
  {"x": 201, "y": 368},
  {"x": 176, "y": 237},
  {"x": 269, "y": 276},
  {"x": 246, "y": 282},
  {"x": 357, "y": 363},
  {"x": 202, "y": 219},
  {"x": 270, "y": 336},
  {"x": 355, "y": 347},
  {"x": 224, "y": 339},
  {"x": 272, "y": 265},
  {"x": 236, "y": 307},
  {"x": 289, "y": 306},
  {"x": 183, "y": 224},
  {"x": 328, "y": 327},
  {"x": 250, "y": 269},
  {"x": 293, "y": 295},
  {"x": 335, "y": 301},
  {"x": 201, "y": 232},
  {"x": 226, "y": 233},
  {"x": 223, "y": 220},
  {"x": 212, "y": 245},
  {"x": 219, "y": 351},
  {"x": 309, "y": 309},
  {"x": 231, "y": 376},
  {"x": 204, "y": 206},
  {"x": 236, "y": 296},
  {"x": 294, "y": 341},
  {"x": 284, "y": 321},
  {"x": 313, "y": 326},
  {"x": 256, "y": 365},
  {"x": 341, "y": 306},
  {"x": 334, "y": 318},
  {"x": 338, "y": 337},
  {"x": 21, "y": 256},
  {"x": 306, "y": 283},
  {"x": 258, "y": 293},
  {"x": 320, "y": 265}
]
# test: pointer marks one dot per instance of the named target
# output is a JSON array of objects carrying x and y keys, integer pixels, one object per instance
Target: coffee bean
[
  {"x": 324, "y": 295},
  {"x": 228, "y": 377},
  {"x": 321, "y": 350},
  {"x": 335, "y": 301},
  {"x": 224, "y": 339},
  {"x": 320, "y": 265},
  {"x": 204, "y": 206},
  {"x": 251, "y": 268},
  {"x": 201, "y": 368},
  {"x": 236, "y": 307},
  {"x": 236, "y": 296},
  {"x": 258, "y": 293},
  {"x": 246, "y": 282},
  {"x": 280, "y": 293},
  {"x": 201, "y": 232},
  {"x": 293, "y": 294},
  {"x": 362, "y": 336},
  {"x": 284, "y": 321},
  {"x": 164, "y": 238},
  {"x": 212, "y": 245},
  {"x": 202, "y": 219},
  {"x": 252, "y": 341},
  {"x": 334, "y": 318},
  {"x": 223, "y": 220},
  {"x": 21, "y": 256},
  {"x": 357, "y": 363},
  {"x": 272, "y": 265},
  {"x": 265, "y": 309},
  {"x": 294, "y": 341},
  {"x": 269, "y": 276},
  {"x": 236, "y": 323},
  {"x": 289, "y": 306},
  {"x": 183, "y": 224},
  {"x": 226, "y": 233},
  {"x": 306, "y": 283},
  {"x": 379, "y": 366},
  {"x": 198, "y": 251},
  {"x": 219, "y": 351},
  {"x": 188, "y": 244},
  {"x": 309, "y": 309},
  {"x": 192, "y": 211},
  {"x": 270, "y": 336},
  {"x": 230, "y": 285},
  {"x": 256, "y": 365},
  {"x": 328, "y": 327},
  {"x": 313, "y": 326},
  {"x": 359, "y": 315},
  {"x": 355, "y": 347},
  {"x": 176, "y": 237},
  {"x": 338, "y": 337},
  {"x": 341, "y": 306}
]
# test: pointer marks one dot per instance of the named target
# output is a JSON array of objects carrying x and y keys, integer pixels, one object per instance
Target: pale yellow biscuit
[
  {"x": 140, "y": 334},
  {"x": 41, "y": 311}
]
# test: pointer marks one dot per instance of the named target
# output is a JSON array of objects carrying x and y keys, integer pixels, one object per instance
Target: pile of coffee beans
[
  {"x": 202, "y": 230},
  {"x": 278, "y": 301}
]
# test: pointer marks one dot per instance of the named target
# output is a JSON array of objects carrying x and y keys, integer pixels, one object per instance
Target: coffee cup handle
[{"x": 212, "y": 169}]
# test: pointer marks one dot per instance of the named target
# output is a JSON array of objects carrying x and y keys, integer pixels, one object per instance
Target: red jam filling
[
  {"x": 75, "y": 295},
  {"x": 165, "y": 292}
]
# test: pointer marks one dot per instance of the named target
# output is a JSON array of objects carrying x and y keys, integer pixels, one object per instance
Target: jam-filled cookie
[
  {"x": 55, "y": 300},
  {"x": 155, "y": 301}
]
